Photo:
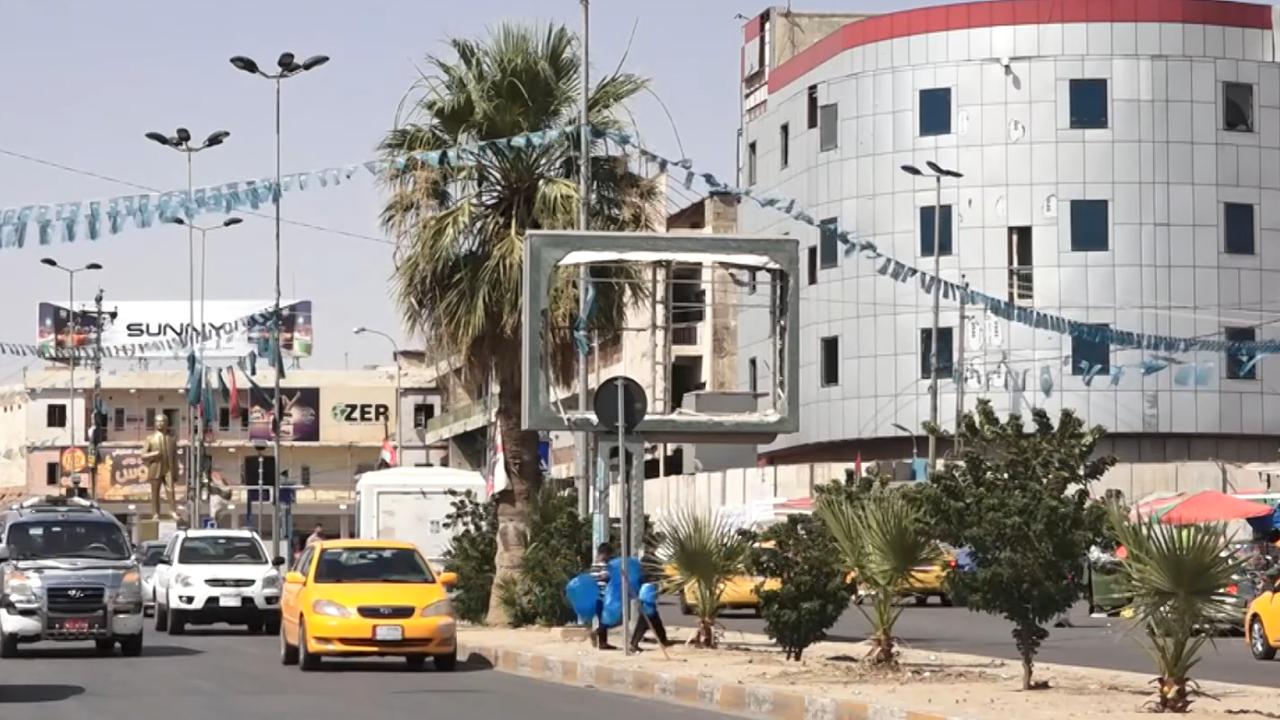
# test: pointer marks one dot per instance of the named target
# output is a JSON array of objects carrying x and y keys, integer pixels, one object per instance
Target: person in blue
[
  {"x": 650, "y": 618},
  {"x": 601, "y": 573}
]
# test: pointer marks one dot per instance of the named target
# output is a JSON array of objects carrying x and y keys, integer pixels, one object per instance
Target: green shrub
[
  {"x": 471, "y": 552},
  {"x": 557, "y": 548},
  {"x": 803, "y": 555}
]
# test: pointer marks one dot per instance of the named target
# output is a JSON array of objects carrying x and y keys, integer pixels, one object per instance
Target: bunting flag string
[
  {"x": 891, "y": 267},
  {"x": 68, "y": 220}
]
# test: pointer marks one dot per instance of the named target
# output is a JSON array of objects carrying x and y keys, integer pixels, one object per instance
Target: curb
[{"x": 691, "y": 690}]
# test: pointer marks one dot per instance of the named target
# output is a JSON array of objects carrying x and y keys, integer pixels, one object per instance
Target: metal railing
[
  {"x": 1021, "y": 287},
  {"x": 684, "y": 335}
]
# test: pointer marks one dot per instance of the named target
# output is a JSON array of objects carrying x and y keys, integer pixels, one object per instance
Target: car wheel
[
  {"x": 307, "y": 660},
  {"x": 1262, "y": 649},
  {"x": 288, "y": 653},
  {"x": 131, "y": 645},
  {"x": 8, "y": 646},
  {"x": 446, "y": 663},
  {"x": 271, "y": 625},
  {"x": 255, "y": 627},
  {"x": 177, "y": 624},
  {"x": 162, "y": 618},
  {"x": 104, "y": 647},
  {"x": 415, "y": 662}
]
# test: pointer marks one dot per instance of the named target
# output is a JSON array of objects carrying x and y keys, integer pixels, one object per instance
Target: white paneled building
[{"x": 1121, "y": 167}]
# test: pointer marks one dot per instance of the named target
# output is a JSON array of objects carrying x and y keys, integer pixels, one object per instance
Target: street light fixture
[
  {"x": 399, "y": 401},
  {"x": 71, "y": 331},
  {"x": 937, "y": 172},
  {"x": 289, "y": 67}
]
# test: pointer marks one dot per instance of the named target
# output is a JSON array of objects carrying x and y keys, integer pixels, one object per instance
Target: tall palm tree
[
  {"x": 706, "y": 552},
  {"x": 882, "y": 540},
  {"x": 1178, "y": 576},
  {"x": 460, "y": 227}
]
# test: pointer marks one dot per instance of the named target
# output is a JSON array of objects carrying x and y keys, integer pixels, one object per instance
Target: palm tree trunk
[{"x": 520, "y": 452}]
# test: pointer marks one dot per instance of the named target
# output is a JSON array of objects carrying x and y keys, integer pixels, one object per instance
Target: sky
[{"x": 83, "y": 81}]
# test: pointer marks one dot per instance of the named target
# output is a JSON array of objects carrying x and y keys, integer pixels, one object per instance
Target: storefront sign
[
  {"x": 299, "y": 422},
  {"x": 122, "y": 476},
  {"x": 74, "y": 460},
  {"x": 361, "y": 413}
]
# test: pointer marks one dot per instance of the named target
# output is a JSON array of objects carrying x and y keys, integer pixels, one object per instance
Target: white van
[{"x": 412, "y": 504}]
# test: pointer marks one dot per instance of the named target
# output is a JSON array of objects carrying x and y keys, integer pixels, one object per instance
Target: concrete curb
[{"x": 693, "y": 690}]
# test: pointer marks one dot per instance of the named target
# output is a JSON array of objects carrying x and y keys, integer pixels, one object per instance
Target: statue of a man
[{"x": 160, "y": 453}]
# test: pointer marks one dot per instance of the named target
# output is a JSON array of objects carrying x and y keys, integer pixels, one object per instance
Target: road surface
[
  {"x": 1094, "y": 642},
  {"x": 221, "y": 675}
]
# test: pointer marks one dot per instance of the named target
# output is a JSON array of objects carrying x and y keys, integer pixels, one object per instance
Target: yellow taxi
[
  {"x": 926, "y": 581},
  {"x": 366, "y": 598},
  {"x": 1262, "y": 622}
]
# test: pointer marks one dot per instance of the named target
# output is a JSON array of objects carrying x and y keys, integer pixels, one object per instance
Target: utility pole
[
  {"x": 583, "y": 471},
  {"x": 99, "y": 412},
  {"x": 962, "y": 365}
]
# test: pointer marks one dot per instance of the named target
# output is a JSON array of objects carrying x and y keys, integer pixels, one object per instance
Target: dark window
[
  {"x": 1020, "y": 267},
  {"x": 221, "y": 550},
  {"x": 829, "y": 243},
  {"x": 1089, "y": 225},
  {"x": 828, "y": 127},
  {"x": 172, "y": 415},
  {"x": 935, "y": 111},
  {"x": 1237, "y": 360},
  {"x": 784, "y": 144},
  {"x": 830, "y": 361},
  {"x": 944, "y": 352},
  {"x": 52, "y": 473},
  {"x": 55, "y": 415},
  {"x": 812, "y": 256},
  {"x": 753, "y": 382},
  {"x": 224, "y": 418},
  {"x": 244, "y": 418},
  {"x": 1237, "y": 225},
  {"x": 151, "y": 419},
  {"x": 927, "y": 230},
  {"x": 422, "y": 413},
  {"x": 1237, "y": 107},
  {"x": 306, "y": 475},
  {"x": 1086, "y": 355},
  {"x": 1088, "y": 104},
  {"x": 751, "y": 163},
  {"x": 811, "y": 107},
  {"x": 119, "y": 418}
]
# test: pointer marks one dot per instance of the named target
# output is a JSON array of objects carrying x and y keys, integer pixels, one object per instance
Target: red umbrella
[{"x": 1212, "y": 506}]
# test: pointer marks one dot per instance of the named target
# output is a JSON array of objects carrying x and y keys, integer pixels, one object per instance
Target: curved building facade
[{"x": 1121, "y": 167}]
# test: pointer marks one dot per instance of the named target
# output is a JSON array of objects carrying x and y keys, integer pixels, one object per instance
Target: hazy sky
[{"x": 84, "y": 80}]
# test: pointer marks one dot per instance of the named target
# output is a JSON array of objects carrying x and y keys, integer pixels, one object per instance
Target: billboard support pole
[
  {"x": 98, "y": 429},
  {"x": 277, "y": 359}
]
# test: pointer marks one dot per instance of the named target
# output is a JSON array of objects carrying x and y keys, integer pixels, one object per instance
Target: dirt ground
[{"x": 971, "y": 686}]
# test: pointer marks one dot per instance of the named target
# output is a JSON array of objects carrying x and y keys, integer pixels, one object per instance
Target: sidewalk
[{"x": 748, "y": 676}]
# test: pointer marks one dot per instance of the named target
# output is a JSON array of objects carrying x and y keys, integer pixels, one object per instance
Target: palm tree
[
  {"x": 1178, "y": 576},
  {"x": 706, "y": 552},
  {"x": 882, "y": 540},
  {"x": 460, "y": 226}
]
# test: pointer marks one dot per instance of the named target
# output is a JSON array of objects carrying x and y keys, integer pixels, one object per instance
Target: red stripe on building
[
  {"x": 753, "y": 28},
  {"x": 1012, "y": 12}
]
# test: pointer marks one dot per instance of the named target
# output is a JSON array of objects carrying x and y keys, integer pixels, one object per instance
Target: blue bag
[
  {"x": 611, "y": 615},
  {"x": 649, "y": 598},
  {"x": 583, "y": 594}
]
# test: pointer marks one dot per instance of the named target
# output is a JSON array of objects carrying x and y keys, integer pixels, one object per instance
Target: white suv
[{"x": 213, "y": 576}]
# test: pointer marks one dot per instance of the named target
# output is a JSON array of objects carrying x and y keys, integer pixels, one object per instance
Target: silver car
[{"x": 148, "y": 555}]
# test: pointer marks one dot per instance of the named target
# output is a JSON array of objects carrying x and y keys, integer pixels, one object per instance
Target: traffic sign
[{"x": 634, "y": 403}]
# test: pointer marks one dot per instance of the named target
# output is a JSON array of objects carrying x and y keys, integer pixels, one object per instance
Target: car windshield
[
  {"x": 355, "y": 565},
  {"x": 150, "y": 556},
  {"x": 221, "y": 549},
  {"x": 67, "y": 539}
]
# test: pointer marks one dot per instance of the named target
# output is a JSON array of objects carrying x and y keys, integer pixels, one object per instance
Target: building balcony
[{"x": 460, "y": 420}]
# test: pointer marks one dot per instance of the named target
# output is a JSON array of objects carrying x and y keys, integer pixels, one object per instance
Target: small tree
[
  {"x": 557, "y": 549},
  {"x": 706, "y": 552},
  {"x": 814, "y": 592},
  {"x": 882, "y": 539},
  {"x": 470, "y": 554},
  {"x": 1018, "y": 499},
  {"x": 1178, "y": 577}
]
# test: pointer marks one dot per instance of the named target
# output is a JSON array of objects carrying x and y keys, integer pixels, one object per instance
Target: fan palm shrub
[{"x": 705, "y": 552}]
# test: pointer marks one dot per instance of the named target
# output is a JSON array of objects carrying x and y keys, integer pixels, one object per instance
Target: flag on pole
[
  {"x": 234, "y": 399},
  {"x": 857, "y": 465},
  {"x": 498, "y": 479},
  {"x": 387, "y": 458}
]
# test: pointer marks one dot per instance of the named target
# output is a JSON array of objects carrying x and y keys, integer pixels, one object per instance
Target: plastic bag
[{"x": 583, "y": 595}]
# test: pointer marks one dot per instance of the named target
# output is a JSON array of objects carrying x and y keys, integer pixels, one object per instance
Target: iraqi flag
[
  {"x": 387, "y": 458},
  {"x": 498, "y": 479}
]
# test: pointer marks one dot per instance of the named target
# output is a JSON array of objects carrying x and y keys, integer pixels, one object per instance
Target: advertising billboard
[
  {"x": 122, "y": 477},
  {"x": 138, "y": 322},
  {"x": 300, "y": 421}
]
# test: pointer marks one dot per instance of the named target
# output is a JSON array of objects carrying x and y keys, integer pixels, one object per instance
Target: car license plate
[
  {"x": 229, "y": 601},
  {"x": 388, "y": 632},
  {"x": 75, "y": 625}
]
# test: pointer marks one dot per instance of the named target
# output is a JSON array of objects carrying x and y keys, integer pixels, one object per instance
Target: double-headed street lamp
[
  {"x": 937, "y": 172},
  {"x": 362, "y": 330},
  {"x": 288, "y": 67},
  {"x": 71, "y": 336}
]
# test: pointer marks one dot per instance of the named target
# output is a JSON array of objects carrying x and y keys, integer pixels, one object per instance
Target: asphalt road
[
  {"x": 1094, "y": 642},
  {"x": 221, "y": 675}
]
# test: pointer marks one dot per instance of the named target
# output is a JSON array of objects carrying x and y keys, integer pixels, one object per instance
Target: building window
[
  {"x": 1236, "y": 360},
  {"x": 1088, "y": 104},
  {"x": 55, "y": 415},
  {"x": 830, "y": 365},
  {"x": 1237, "y": 107},
  {"x": 811, "y": 107},
  {"x": 244, "y": 418},
  {"x": 828, "y": 127},
  {"x": 944, "y": 352},
  {"x": 751, "y": 163},
  {"x": 1237, "y": 228},
  {"x": 753, "y": 382},
  {"x": 1020, "y": 265},
  {"x": 1089, "y": 228},
  {"x": 52, "y": 473},
  {"x": 784, "y": 144},
  {"x": 935, "y": 111},
  {"x": 927, "y": 231},
  {"x": 812, "y": 256},
  {"x": 150, "y": 423},
  {"x": 171, "y": 414},
  {"x": 1090, "y": 355},
  {"x": 224, "y": 418},
  {"x": 306, "y": 476},
  {"x": 422, "y": 414},
  {"x": 119, "y": 418},
  {"x": 828, "y": 243}
]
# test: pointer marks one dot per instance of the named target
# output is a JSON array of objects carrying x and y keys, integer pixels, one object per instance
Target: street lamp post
[
  {"x": 181, "y": 142},
  {"x": 289, "y": 67},
  {"x": 399, "y": 401},
  {"x": 937, "y": 172},
  {"x": 71, "y": 330}
]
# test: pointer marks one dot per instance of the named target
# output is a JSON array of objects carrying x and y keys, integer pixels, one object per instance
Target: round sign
[
  {"x": 634, "y": 403},
  {"x": 74, "y": 460}
]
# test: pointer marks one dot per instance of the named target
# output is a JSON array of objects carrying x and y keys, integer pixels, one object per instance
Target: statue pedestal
[{"x": 148, "y": 529}]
